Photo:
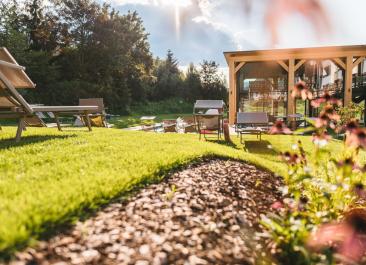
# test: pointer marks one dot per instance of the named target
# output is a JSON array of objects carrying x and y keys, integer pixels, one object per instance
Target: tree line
[{"x": 78, "y": 49}]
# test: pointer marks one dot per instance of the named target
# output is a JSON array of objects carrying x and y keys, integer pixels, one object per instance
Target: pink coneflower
[
  {"x": 346, "y": 237},
  {"x": 279, "y": 128},
  {"x": 351, "y": 126},
  {"x": 322, "y": 121},
  {"x": 321, "y": 139},
  {"x": 328, "y": 117},
  {"x": 331, "y": 113},
  {"x": 302, "y": 90},
  {"x": 277, "y": 205},
  {"x": 326, "y": 98},
  {"x": 359, "y": 190},
  {"x": 292, "y": 158},
  {"x": 356, "y": 138},
  {"x": 348, "y": 162}
]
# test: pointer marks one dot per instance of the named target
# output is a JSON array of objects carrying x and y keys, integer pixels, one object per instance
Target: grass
[{"x": 53, "y": 178}]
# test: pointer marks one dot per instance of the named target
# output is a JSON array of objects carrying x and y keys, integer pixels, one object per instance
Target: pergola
[{"x": 346, "y": 58}]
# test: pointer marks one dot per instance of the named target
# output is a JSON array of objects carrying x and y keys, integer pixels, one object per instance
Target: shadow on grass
[
  {"x": 225, "y": 143},
  {"x": 26, "y": 140},
  {"x": 259, "y": 147}
]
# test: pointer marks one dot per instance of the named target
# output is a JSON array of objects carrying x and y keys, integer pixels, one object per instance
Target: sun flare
[{"x": 177, "y": 5}]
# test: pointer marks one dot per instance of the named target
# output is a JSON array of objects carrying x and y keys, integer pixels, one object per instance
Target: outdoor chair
[
  {"x": 209, "y": 123},
  {"x": 208, "y": 115},
  {"x": 251, "y": 123},
  {"x": 191, "y": 126},
  {"x": 169, "y": 126},
  {"x": 14, "y": 106},
  {"x": 97, "y": 118}
]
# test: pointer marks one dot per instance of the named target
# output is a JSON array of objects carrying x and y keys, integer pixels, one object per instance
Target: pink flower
[
  {"x": 280, "y": 128},
  {"x": 331, "y": 113},
  {"x": 347, "y": 162},
  {"x": 277, "y": 205},
  {"x": 322, "y": 121},
  {"x": 359, "y": 190},
  {"x": 327, "y": 117},
  {"x": 327, "y": 235},
  {"x": 356, "y": 138},
  {"x": 351, "y": 126},
  {"x": 302, "y": 90},
  {"x": 321, "y": 139},
  {"x": 326, "y": 98},
  {"x": 347, "y": 237},
  {"x": 292, "y": 158}
]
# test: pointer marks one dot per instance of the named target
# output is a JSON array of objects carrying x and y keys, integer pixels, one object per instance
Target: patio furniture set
[
  {"x": 208, "y": 115},
  {"x": 14, "y": 106}
]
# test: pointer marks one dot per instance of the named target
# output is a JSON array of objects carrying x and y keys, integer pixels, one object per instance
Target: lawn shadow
[
  {"x": 259, "y": 147},
  {"x": 26, "y": 140},
  {"x": 225, "y": 143}
]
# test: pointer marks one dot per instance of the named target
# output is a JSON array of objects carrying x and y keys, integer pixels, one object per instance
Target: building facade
[{"x": 261, "y": 81}]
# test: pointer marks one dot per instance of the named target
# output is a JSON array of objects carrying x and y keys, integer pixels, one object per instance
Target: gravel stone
[{"x": 205, "y": 214}]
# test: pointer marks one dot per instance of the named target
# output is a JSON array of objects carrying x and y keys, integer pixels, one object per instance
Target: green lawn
[{"x": 53, "y": 178}]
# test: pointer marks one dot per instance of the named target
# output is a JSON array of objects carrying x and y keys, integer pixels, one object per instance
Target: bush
[
  {"x": 319, "y": 222},
  {"x": 169, "y": 106}
]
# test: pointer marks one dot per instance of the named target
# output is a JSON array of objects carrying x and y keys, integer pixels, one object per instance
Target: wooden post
[
  {"x": 348, "y": 81},
  {"x": 87, "y": 119},
  {"x": 232, "y": 93},
  {"x": 20, "y": 129},
  {"x": 57, "y": 121},
  {"x": 291, "y": 83}
]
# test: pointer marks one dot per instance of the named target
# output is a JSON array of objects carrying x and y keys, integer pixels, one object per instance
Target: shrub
[
  {"x": 311, "y": 226},
  {"x": 169, "y": 106}
]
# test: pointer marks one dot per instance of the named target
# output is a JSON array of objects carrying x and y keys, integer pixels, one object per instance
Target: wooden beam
[
  {"x": 239, "y": 66},
  {"x": 232, "y": 93},
  {"x": 340, "y": 63},
  {"x": 298, "y": 56},
  {"x": 283, "y": 64},
  {"x": 299, "y": 64},
  {"x": 291, "y": 84},
  {"x": 348, "y": 82},
  {"x": 358, "y": 61}
]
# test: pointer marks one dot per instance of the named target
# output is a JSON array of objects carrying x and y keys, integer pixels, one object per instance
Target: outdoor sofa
[
  {"x": 251, "y": 123},
  {"x": 14, "y": 106}
]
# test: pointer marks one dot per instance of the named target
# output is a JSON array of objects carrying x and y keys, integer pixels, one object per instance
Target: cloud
[{"x": 209, "y": 27}]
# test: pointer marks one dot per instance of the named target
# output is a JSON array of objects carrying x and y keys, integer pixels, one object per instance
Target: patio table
[{"x": 146, "y": 121}]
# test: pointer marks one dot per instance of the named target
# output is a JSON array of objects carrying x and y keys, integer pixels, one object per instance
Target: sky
[{"x": 203, "y": 29}]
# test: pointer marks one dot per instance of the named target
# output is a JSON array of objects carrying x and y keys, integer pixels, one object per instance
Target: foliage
[
  {"x": 79, "y": 48},
  {"x": 169, "y": 106},
  {"x": 212, "y": 83},
  {"x": 321, "y": 188},
  {"x": 41, "y": 189},
  {"x": 350, "y": 112}
]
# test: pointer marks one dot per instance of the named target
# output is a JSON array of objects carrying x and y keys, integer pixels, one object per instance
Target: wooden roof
[{"x": 325, "y": 52}]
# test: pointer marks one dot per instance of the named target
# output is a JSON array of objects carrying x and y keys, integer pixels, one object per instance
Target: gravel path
[{"x": 205, "y": 214}]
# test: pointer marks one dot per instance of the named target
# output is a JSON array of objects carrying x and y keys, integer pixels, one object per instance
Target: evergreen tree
[
  {"x": 169, "y": 82},
  {"x": 213, "y": 86},
  {"x": 192, "y": 84}
]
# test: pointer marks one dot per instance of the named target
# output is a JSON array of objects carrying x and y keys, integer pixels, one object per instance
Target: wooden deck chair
[
  {"x": 97, "y": 118},
  {"x": 14, "y": 106}
]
